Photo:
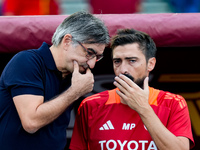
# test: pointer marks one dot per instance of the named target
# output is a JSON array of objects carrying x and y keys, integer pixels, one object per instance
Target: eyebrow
[
  {"x": 127, "y": 58},
  {"x": 95, "y": 52},
  {"x": 87, "y": 48},
  {"x": 116, "y": 59},
  {"x": 130, "y": 57},
  {"x": 92, "y": 50}
]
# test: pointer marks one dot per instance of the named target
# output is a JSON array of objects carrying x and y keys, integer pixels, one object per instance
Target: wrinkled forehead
[{"x": 128, "y": 50}]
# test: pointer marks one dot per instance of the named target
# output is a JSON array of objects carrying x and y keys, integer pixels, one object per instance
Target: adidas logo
[{"x": 107, "y": 126}]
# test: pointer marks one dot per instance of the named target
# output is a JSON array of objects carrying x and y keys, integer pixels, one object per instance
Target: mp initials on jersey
[{"x": 126, "y": 126}]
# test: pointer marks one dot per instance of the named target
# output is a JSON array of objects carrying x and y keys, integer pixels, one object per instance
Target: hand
[
  {"x": 135, "y": 97},
  {"x": 83, "y": 83}
]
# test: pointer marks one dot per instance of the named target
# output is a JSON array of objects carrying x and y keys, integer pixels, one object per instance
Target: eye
[
  {"x": 116, "y": 61},
  {"x": 132, "y": 60},
  {"x": 91, "y": 53}
]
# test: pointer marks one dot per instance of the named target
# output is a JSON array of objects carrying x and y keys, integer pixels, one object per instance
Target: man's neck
[{"x": 58, "y": 58}]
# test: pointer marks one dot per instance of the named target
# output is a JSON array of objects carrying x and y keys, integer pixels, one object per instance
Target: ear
[
  {"x": 151, "y": 64},
  {"x": 66, "y": 40}
]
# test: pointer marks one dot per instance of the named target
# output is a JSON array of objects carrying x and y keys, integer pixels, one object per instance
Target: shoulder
[
  {"x": 24, "y": 64},
  {"x": 171, "y": 99},
  {"x": 95, "y": 100},
  {"x": 29, "y": 54},
  {"x": 24, "y": 57},
  {"x": 175, "y": 99},
  {"x": 103, "y": 96},
  {"x": 27, "y": 59}
]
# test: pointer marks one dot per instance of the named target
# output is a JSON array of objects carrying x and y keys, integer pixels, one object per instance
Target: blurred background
[{"x": 55, "y": 7}]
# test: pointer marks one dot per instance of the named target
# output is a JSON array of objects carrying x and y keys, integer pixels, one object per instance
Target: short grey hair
[{"x": 83, "y": 27}]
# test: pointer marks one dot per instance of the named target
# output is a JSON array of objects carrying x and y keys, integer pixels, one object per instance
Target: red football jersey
[{"x": 103, "y": 123}]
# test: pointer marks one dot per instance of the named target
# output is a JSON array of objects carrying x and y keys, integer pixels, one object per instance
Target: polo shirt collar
[{"x": 47, "y": 56}]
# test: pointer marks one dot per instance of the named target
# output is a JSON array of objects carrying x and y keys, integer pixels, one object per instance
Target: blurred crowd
[
  {"x": 185, "y": 6},
  {"x": 53, "y": 7},
  {"x": 30, "y": 7}
]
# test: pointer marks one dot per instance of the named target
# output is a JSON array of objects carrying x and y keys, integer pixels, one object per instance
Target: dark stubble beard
[{"x": 139, "y": 81}]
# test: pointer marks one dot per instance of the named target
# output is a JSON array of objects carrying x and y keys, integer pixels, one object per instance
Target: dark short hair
[{"x": 129, "y": 36}]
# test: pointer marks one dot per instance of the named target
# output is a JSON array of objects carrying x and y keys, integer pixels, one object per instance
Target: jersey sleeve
[
  {"x": 23, "y": 75},
  {"x": 179, "y": 121},
  {"x": 79, "y": 136}
]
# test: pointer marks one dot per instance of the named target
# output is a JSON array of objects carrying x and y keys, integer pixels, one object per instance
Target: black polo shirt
[{"x": 31, "y": 72}]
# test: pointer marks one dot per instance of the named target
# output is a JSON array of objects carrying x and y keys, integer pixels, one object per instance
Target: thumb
[
  {"x": 146, "y": 84},
  {"x": 88, "y": 71},
  {"x": 76, "y": 66}
]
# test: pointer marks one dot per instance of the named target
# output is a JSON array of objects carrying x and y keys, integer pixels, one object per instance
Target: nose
[
  {"x": 91, "y": 62},
  {"x": 123, "y": 68}
]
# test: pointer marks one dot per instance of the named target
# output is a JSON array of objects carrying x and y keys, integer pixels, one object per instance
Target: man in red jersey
[{"x": 133, "y": 116}]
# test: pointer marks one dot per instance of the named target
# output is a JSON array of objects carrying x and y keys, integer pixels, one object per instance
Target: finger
[
  {"x": 88, "y": 71},
  {"x": 76, "y": 66},
  {"x": 146, "y": 84},
  {"x": 122, "y": 82},
  {"x": 119, "y": 86},
  {"x": 121, "y": 95},
  {"x": 89, "y": 74},
  {"x": 126, "y": 79}
]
